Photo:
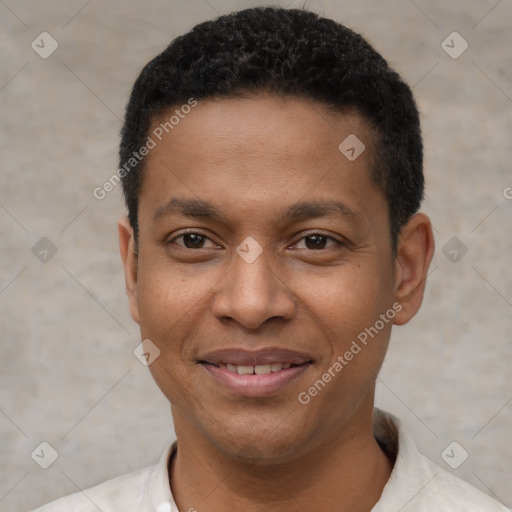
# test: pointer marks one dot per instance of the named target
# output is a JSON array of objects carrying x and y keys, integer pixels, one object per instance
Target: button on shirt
[{"x": 415, "y": 485}]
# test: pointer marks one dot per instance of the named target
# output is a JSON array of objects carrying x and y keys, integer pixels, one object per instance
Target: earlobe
[
  {"x": 414, "y": 254},
  {"x": 127, "y": 250}
]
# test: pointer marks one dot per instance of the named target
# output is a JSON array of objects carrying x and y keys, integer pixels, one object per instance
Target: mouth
[
  {"x": 255, "y": 374},
  {"x": 260, "y": 369}
]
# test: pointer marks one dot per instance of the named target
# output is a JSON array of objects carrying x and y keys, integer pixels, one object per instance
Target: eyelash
[{"x": 337, "y": 243}]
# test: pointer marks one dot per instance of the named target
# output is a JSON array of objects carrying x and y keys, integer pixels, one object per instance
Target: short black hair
[{"x": 286, "y": 52}]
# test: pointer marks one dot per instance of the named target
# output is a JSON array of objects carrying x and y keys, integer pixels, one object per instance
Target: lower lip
[{"x": 255, "y": 386}]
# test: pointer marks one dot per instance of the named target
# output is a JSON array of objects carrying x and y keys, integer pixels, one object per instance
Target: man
[{"x": 272, "y": 169}]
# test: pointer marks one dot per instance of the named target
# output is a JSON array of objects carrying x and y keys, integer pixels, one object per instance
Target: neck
[{"x": 346, "y": 473}]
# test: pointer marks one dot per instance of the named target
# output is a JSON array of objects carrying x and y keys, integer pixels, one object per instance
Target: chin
[
  {"x": 257, "y": 454},
  {"x": 256, "y": 446}
]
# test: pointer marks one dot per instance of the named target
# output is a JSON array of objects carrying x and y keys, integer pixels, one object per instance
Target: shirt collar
[
  {"x": 158, "y": 491},
  {"x": 410, "y": 474}
]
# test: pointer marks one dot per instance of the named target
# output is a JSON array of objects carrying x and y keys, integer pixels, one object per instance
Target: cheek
[
  {"x": 165, "y": 298},
  {"x": 348, "y": 307},
  {"x": 168, "y": 305},
  {"x": 347, "y": 300},
  {"x": 158, "y": 302}
]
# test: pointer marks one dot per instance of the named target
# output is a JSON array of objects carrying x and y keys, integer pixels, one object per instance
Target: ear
[
  {"x": 414, "y": 253},
  {"x": 127, "y": 249}
]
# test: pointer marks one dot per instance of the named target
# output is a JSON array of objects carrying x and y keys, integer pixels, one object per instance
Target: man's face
[{"x": 269, "y": 170}]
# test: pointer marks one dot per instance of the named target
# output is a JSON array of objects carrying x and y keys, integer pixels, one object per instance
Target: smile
[
  {"x": 260, "y": 369},
  {"x": 255, "y": 374}
]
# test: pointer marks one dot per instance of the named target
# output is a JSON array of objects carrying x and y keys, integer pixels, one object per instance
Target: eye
[
  {"x": 193, "y": 241},
  {"x": 317, "y": 241}
]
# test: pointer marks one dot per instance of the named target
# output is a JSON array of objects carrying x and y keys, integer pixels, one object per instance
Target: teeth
[{"x": 260, "y": 369}]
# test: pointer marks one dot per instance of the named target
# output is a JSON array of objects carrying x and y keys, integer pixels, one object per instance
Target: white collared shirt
[{"x": 416, "y": 484}]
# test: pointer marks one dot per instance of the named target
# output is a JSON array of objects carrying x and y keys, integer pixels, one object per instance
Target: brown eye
[
  {"x": 192, "y": 241},
  {"x": 317, "y": 242}
]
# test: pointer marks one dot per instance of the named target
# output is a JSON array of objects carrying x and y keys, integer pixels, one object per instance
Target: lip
[
  {"x": 243, "y": 357},
  {"x": 255, "y": 386}
]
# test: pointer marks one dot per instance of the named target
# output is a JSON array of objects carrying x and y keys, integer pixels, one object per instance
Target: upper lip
[{"x": 261, "y": 356}]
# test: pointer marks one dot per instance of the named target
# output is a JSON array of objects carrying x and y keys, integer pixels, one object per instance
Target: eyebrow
[
  {"x": 197, "y": 208},
  {"x": 314, "y": 209}
]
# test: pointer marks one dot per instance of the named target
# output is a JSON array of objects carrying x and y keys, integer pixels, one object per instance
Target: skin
[{"x": 252, "y": 159}]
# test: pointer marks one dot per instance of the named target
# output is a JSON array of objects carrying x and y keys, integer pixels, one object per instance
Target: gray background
[{"x": 68, "y": 374}]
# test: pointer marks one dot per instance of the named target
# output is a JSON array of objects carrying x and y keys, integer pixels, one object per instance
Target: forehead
[
  {"x": 281, "y": 127},
  {"x": 259, "y": 152}
]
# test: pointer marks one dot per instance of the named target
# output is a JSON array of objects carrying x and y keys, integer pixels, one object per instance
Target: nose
[{"x": 252, "y": 293}]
